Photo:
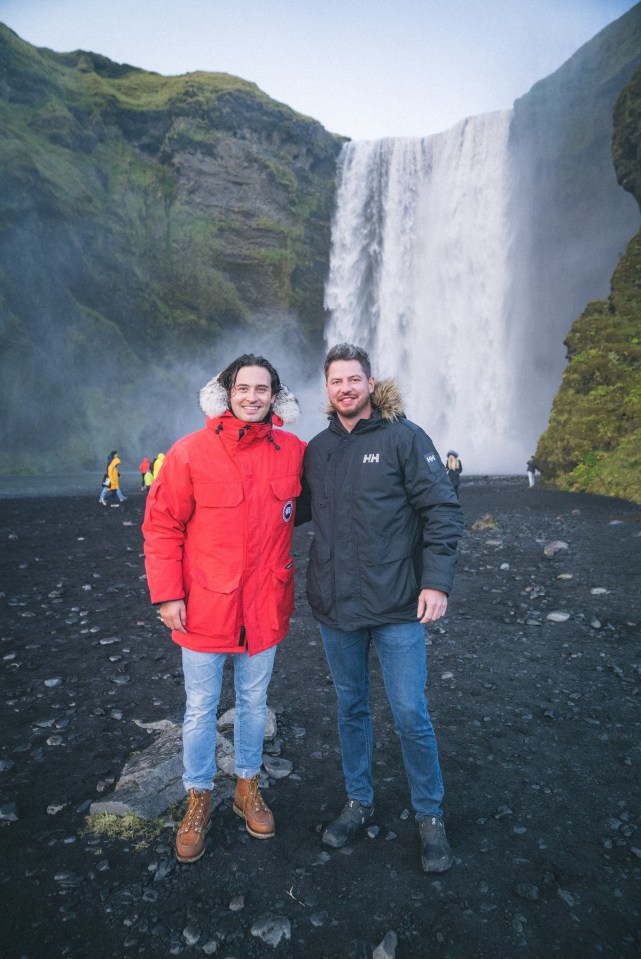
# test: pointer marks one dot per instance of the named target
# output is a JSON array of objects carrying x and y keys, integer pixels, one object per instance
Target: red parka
[{"x": 218, "y": 530}]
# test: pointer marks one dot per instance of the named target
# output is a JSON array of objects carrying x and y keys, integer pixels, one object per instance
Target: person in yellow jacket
[
  {"x": 111, "y": 482},
  {"x": 157, "y": 463}
]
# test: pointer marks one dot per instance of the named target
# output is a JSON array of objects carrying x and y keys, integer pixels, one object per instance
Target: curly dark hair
[{"x": 228, "y": 376}]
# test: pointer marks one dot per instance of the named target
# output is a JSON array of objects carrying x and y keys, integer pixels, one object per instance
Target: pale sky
[{"x": 364, "y": 68}]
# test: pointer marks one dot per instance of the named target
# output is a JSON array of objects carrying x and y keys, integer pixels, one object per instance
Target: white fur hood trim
[{"x": 214, "y": 401}]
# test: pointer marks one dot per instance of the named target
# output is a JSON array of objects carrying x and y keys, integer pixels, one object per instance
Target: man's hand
[
  {"x": 174, "y": 615},
  {"x": 432, "y": 604}
]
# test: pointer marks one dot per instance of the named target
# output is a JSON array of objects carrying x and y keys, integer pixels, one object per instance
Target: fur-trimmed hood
[
  {"x": 213, "y": 400},
  {"x": 387, "y": 399}
]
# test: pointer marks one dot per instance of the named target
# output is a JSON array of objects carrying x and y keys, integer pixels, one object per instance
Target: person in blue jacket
[{"x": 386, "y": 524}]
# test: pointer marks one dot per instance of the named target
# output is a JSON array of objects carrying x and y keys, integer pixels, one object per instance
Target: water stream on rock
[{"x": 418, "y": 276}]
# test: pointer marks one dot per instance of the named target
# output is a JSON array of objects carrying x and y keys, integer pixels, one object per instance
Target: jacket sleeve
[
  {"x": 432, "y": 496},
  {"x": 170, "y": 504},
  {"x": 303, "y": 503}
]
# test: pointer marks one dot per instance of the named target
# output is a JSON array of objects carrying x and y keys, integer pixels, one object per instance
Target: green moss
[
  {"x": 593, "y": 440},
  {"x": 128, "y": 828},
  {"x": 283, "y": 176}
]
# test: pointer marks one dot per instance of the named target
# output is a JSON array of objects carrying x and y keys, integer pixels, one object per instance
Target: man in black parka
[{"x": 386, "y": 527}]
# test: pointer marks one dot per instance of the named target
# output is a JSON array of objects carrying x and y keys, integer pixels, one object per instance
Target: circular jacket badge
[{"x": 288, "y": 509}]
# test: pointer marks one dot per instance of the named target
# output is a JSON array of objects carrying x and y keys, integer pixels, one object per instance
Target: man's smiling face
[
  {"x": 251, "y": 395},
  {"x": 349, "y": 390}
]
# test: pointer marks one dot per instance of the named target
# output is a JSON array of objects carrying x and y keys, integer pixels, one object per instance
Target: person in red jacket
[
  {"x": 144, "y": 468},
  {"x": 218, "y": 529}
]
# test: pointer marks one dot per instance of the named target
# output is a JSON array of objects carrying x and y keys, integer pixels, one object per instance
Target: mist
[{"x": 176, "y": 386}]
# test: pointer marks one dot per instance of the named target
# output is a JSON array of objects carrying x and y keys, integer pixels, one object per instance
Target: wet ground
[{"x": 535, "y": 693}]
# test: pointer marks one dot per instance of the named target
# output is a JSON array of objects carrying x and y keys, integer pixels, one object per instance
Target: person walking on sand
[
  {"x": 386, "y": 526},
  {"x": 156, "y": 466},
  {"x": 454, "y": 468},
  {"x": 218, "y": 530},
  {"x": 145, "y": 466},
  {"x": 531, "y": 470},
  {"x": 112, "y": 481}
]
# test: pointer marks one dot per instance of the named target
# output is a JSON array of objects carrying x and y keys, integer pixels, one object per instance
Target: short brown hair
[{"x": 347, "y": 351}]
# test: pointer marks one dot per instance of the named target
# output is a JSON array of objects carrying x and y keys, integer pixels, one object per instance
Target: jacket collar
[
  {"x": 362, "y": 426},
  {"x": 235, "y": 430}
]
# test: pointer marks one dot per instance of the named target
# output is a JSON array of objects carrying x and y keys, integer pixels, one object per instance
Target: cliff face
[
  {"x": 593, "y": 441},
  {"x": 572, "y": 220},
  {"x": 144, "y": 221}
]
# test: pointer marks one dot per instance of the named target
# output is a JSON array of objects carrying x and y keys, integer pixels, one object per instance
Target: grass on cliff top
[{"x": 84, "y": 74}]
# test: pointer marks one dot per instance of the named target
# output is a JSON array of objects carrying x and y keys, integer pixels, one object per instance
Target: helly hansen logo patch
[
  {"x": 432, "y": 461},
  {"x": 370, "y": 458}
]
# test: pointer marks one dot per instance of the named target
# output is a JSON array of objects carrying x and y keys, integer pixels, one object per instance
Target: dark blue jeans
[{"x": 401, "y": 653}]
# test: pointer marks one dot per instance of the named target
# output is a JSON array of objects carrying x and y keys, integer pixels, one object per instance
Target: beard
[{"x": 352, "y": 411}]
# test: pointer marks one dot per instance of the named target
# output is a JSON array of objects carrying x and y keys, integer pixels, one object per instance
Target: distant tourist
[
  {"x": 156, "y": 466},
  {"x": 532, "y": 469},
  {"x": 386, "y": 527},
  {"x": 218, "y": 530},
  {"x": 111, "y": 481},
  {"x": 454, "y": 468},
  {"x": 145, "y": 467}
]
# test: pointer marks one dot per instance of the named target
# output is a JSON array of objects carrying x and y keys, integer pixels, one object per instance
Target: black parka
[{"x": 386, "y": 521}]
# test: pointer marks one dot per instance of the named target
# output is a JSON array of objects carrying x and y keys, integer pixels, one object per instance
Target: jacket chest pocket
[
  {"x": 285, "y": 490},
  {"x": 218, "y": 520}
]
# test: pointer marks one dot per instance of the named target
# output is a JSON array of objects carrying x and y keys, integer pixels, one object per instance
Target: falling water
[{"x": 419, "y": 276}]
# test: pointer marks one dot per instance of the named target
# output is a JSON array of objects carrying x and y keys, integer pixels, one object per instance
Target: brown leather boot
[
  {"x": 250, "y": 806},
  {"x": 190, "y": 838}
]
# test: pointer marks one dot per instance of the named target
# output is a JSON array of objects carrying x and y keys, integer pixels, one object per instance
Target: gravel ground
[{"x": 535, "y": 679}]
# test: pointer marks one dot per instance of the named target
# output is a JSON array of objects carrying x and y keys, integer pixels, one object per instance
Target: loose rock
[
  {"x": 387, "y": 948},
  {"x": 272, "y": 929}
]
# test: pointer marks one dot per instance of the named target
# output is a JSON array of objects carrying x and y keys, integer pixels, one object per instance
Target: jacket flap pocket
[
  {"x": 220, "y": 580},
  {"x": 219, "y": 495},
  {"x": 286, "y": 487},
  {"x": 284, "y": 573},
  {"x": 381, "y": 556}
]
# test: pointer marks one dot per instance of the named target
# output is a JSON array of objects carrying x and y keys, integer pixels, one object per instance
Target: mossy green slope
[
  {"x": 593, "y": 441},
  {"x": 143, "y": 219}
]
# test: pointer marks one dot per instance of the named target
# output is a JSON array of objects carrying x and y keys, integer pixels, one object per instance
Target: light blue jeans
[
  {"x": 401, "y": 653},
  {"x": 203, "y": 674},
  {"x": 117, "y": 491}
]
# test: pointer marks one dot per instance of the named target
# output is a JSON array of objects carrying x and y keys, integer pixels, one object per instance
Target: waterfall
[{"x": 419, "y": 277}]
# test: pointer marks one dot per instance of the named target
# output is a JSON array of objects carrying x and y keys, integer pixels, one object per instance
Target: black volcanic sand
[{"x": 539, "y": 726}]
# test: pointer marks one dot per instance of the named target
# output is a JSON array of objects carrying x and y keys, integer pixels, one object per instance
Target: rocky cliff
[
  {"x": 571, "y": 219},
  {"x": 148, "y": 226},
  {"x": 593, "y": 441}
]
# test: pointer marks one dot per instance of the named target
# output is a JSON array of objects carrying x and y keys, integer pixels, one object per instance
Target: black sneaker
[
  {"x": 352, "y": 818},
  {"x": 436, "y": 855}
]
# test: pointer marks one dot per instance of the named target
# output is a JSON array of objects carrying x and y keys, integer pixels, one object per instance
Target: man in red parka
[{"x": 218, "y": 529}]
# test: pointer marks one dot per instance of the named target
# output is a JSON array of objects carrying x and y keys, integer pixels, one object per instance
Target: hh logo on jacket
[{"x": 370, "y": 458}]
